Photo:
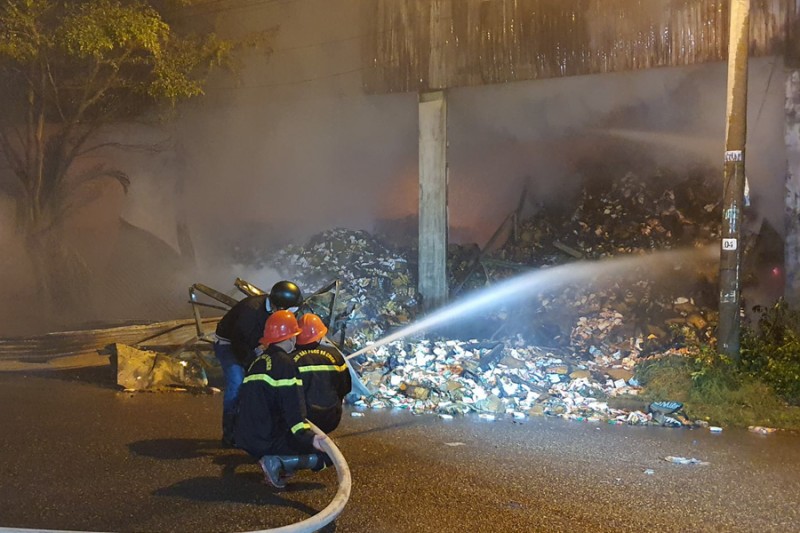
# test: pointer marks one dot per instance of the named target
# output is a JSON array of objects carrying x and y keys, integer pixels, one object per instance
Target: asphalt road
[{"x": 76, "y": 454}]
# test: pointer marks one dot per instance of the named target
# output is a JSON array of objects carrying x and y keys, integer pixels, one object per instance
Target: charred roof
[{"x": 421, "y": 45}]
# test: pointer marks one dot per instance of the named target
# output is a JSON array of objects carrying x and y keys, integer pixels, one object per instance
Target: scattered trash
[
  {"x": 715, "y": 429},
  {"x": 649, "y": 471},
  {"x": 761, "y": 430},
  {"x": 666, "y": 408},
  {"x": 684, "y": 460},
  {"x": 454, "y": 444},
  {"x": 669, "y": 414},
  {"x": 356, "y": 414}
]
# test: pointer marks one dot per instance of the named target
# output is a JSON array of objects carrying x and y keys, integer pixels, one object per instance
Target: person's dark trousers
[{"x": 233, "y": 373}]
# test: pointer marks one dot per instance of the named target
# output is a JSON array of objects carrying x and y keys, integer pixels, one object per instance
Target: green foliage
[
  {"x": 90, "y": 50},
  {"x": 101, "y": 27},
  {"x": 762, "y": 389},
  {"x": 712, "y": 389},
  {"x": 771, "y": 350}
]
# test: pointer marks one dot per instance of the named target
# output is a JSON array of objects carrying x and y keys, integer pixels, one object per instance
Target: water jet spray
[{"x": 541, "y": 280}]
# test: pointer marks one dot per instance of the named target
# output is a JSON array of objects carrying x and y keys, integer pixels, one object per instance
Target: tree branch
[
  {"x": 54, "y": 87},
  {"x": 140, "y": 148},
  {"x": 14, "y": 160}
]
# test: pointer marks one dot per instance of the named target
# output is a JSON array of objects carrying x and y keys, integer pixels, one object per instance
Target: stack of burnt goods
[
  {"x": 655, "y": 304},
  {"x": 377, "y": 290}
]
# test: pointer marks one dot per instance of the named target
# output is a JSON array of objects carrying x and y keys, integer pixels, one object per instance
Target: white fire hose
[
  {"x": 309, "y": 525},
  {"x": 334, "y": 509}
]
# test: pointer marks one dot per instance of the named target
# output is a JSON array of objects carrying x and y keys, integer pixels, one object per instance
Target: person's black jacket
[
  {"x": 272, "y": 413},
  {"x": 326, "y": 381},
  {"x": 243, "y": 326}
]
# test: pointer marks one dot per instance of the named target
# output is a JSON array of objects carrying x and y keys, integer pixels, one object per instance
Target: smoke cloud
[{"x": 291, "y": 146}]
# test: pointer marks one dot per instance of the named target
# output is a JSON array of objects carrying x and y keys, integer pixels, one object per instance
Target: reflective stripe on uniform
[
  {"x": 291, "y": 382},
  {"x": 300, "y": 426},
  {"x": 322, "y": 368}
]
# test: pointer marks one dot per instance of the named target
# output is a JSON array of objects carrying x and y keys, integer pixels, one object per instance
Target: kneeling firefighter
[
  {"x": 271, "y": 423},
  {"x": 326, "y": 377}
]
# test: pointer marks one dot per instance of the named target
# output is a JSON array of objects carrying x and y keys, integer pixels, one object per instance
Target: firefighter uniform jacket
[
  {"x": 243, "y": 326},
  {"x": 272, "y": 413},
  {"x": 326, "y": 381}
]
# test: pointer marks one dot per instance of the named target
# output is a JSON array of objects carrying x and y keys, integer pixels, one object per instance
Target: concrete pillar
[
  {"x": 792, "y": 243},
  {"x": 432, "y": 284}
]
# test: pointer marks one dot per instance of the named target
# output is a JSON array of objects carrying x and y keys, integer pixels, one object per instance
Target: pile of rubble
[
  {"x": 628, "y": 216},
  {"x": 505, "y": 380},
  {"x": 378, "y": 289},
  {"x": 594, "y": 334}
]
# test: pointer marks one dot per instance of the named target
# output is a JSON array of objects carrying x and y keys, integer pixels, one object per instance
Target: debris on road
[
  {"x": 140, "y": 370},
  {"x": 684, "y": 460},
  {"x": 761, "y": 430}
]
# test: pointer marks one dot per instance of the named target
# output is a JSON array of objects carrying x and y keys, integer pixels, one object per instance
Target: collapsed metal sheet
[{"x": 140, "y": 370}]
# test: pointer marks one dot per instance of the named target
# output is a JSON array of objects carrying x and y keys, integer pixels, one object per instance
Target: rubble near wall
[{"x": 566, "y": 353}]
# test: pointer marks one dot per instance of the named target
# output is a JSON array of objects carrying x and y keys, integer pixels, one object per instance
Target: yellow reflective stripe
[
  {"x": 323, "y": 368},
  {"x": 300, "y": 426},
  {"x": 257, "y": 359},
  {"x": 274, "y": 382}
]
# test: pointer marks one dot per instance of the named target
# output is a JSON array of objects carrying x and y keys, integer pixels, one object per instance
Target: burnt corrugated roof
[{"x": 420, "y": 45}]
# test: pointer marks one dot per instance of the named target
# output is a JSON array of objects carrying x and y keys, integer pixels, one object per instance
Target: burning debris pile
[
  {"x": 629, "y": 216},
  {"x": 572, "y": 350},
  {"x": 653, "y": 306},
  {"x": 378, "y": 290}
]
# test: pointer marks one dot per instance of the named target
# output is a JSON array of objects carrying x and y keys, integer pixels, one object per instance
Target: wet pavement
[{"x": 76, "y": 454}]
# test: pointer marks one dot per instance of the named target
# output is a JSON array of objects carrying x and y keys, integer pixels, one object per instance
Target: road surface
[{"x": 77, "y": 454}]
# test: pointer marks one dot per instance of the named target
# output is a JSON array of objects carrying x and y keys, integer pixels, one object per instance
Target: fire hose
[
  {"x": 334, "y": 509},
  {"x": 309, "y": 525}
]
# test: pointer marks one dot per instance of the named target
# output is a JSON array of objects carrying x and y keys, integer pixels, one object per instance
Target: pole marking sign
[
  {"x": 729, "y": 244},
  {"x": 733, "y": 156}
]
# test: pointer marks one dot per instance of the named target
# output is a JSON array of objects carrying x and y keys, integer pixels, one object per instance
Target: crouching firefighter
[
  {"x": 238, "y": 335},
  {"x": 271, "y": 424},
  {"x": 326, "y": 377}
]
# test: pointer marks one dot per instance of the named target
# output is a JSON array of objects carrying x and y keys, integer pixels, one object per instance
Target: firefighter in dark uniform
[
  {"x": 271, "y": 424},
  {"x": 238, "y": 335},
  {"x": 326, "y": 378}
]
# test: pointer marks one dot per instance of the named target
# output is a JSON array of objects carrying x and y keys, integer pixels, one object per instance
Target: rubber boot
[
  {"x": 228, "y": 424},
  {"x": 272, "y": 466},
  {"x": 314, "y": 462},
  {"x": 278, "y": 468}
]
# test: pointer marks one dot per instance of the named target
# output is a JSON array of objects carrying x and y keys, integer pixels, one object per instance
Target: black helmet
[{"x": 284, "y": 295}]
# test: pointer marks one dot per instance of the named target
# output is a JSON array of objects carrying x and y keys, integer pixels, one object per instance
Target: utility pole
[
  {"x": 733, "y": 180},
  {"x": 792, "y": 229}
]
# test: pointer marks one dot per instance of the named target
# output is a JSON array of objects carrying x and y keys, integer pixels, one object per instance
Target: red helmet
[
  {"x": 281, "y": 325},
  {"x": 313, "y": 329}
]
